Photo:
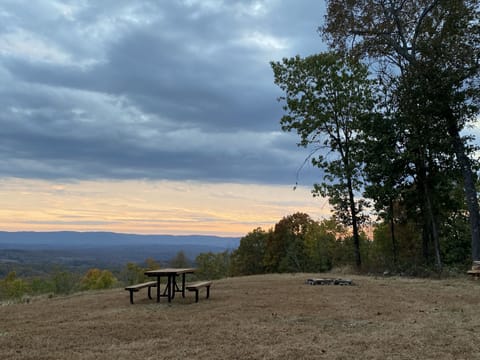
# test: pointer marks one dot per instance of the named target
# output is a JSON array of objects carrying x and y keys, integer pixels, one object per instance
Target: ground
[{"x": 255, "y": 317}]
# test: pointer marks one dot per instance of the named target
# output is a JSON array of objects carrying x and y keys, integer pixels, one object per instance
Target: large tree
[
  {"x": 326, "y": 96},
  {"x": 248, "y": 258},
  {"x": 384, "y": 170},
  {"x": 285, "y": 247},
  {"x": 434, "y": 42}
]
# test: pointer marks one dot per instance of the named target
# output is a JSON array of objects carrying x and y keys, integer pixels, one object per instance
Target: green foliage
[
  {"x": 64, "y": 282},
  {"x": 455, "y": 240},
  {"x": 381, "y": 254},
  {"x": 248, "y": 259},
  {"x": 300, "y": 244},
  {"x": 180, "y": 261},
  {"x": 320, "y": 243},
  {"x": 152, "y": 264},
  {"x": 285, "y": 250},
  {"x": 12, "y": 287},
  {"x": 41, "y": 286},
  {"x": 59, "y": 282},
  {"x": 427, "y": 52},
  {"x": 96, "y": 279},
  {"x": 132, "y": 274},
  {"x": 326, "y": 97},
  {"x": 213, "y": 266}
]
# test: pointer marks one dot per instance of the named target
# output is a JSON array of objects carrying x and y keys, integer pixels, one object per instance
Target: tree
[
  {"x": 152, "y": 264},
  {"x": 133, "y": 274},
  {"x": 285, "y": 247},
  {"x": 384, "y": 169},
  {"x": 96, "y": 279},
  {"x": 40, "y": 285},
  {"x": 436, "y": 43},
  {"x": 320, "y": 242},
  {"x": 326, "y": 96},
  {"x": 180, "y": 261},
  {"x": 431, "y": 155},
  {"x": 12, "y": 287},
  {"x": 248, "y": 258},
  {"x": 213, "y": 266},
  {"x": 64, "y": 282}
]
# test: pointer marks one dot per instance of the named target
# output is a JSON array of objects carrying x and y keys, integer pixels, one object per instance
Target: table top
[{"x": 170, "y": 271}]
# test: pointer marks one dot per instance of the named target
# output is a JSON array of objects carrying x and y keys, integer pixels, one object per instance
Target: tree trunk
[
  {"x": 425, "y": 241},
  {"x": 433, "y": 225},
  {"x": 356, "y": 236},
  {"x": 392, "y": 233},
  {"x": 469, "y": 185},
  {"x": 421, "y": 171},
  {"x": 429, "y": 220}
]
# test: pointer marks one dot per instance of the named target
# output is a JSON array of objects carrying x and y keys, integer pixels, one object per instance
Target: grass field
[{"x": 255, "y": 317}]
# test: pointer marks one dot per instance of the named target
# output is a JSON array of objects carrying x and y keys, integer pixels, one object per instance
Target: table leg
[
  {"x": 183, "y": 285},
  {"x": 158, "y": 288},
  {"x": 169, "y": 288},
  {"x": 174, "y": 285}
]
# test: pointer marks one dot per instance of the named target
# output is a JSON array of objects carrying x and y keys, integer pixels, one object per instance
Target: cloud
[{"x": 151, "y": 89}]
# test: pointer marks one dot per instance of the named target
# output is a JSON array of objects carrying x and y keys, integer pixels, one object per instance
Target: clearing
[{"x": 255, "y": 317}]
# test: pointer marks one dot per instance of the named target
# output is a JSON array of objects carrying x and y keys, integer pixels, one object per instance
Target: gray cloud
[{"x": 157, "y": 89}]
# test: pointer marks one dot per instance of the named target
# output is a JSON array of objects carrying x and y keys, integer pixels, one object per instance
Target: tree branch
[{"x": 424, "y": 13}]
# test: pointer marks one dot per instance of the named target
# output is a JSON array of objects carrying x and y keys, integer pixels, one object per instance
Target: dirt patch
[{"x": 255, "y": 317}]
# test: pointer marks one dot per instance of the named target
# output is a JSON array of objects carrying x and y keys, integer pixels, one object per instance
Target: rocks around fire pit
[{"x": 329, "y": 281}]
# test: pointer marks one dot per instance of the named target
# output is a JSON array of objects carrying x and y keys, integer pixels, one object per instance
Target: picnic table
[{"x": 172, "y": 285}]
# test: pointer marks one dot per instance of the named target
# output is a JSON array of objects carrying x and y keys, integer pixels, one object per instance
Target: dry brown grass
[{"x": 256, "y": 317}]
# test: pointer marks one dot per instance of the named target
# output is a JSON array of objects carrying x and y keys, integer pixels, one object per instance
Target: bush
[
  {"x": 96, "y": 279},
  {"x": 12, "y": 287},
  {"x": 213, "y": 266},
  {"x": 132, "y": 274},
  {"x": 64, "y": 282}
]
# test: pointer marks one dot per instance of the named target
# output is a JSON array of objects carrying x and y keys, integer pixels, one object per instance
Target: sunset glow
[{"x": 150, "y": 207}]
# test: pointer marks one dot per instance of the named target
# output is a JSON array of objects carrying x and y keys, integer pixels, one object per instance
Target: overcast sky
[
  {"x": 160, "y": 90},
  {"x": 150, "y": 116}
]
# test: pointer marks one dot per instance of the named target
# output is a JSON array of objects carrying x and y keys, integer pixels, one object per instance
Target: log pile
[{"x": 328, "y": 281}]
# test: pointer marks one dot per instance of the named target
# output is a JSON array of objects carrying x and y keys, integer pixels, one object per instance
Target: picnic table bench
[
  {"x": 195, "y": 287},
  {"x": 474, "y": 273},
  {"x": 137, "y": 287}
]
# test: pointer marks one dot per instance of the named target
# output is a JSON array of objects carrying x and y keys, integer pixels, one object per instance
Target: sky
[{"x": 155, "y": 117}]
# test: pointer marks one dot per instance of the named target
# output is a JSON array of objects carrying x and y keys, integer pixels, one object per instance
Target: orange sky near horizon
[{"x": 151, "y": 207}]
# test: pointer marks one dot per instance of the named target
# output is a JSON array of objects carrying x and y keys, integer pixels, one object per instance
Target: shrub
[{"x": 96, "y": 279}]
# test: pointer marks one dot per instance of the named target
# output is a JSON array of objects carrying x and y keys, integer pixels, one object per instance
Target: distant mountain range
[
  {"x": 73, "y": 239},
  {"x": 81, "y": 250}
]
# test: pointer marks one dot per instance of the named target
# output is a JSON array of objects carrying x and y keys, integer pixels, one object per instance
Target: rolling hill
[{"x": 81, "y": 250}]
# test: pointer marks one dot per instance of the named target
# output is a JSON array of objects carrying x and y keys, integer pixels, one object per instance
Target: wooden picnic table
[{"x": 172, "y": 286}]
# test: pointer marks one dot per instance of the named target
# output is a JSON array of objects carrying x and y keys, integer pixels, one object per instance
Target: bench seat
[
  {"x": 195, "y": 287},
  {"x": 137, "y": 287},
  {"x": 474, "y": 273}
]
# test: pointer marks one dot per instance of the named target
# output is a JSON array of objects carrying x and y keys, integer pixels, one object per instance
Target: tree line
[
  {"x": 61, "y": 281},
  {"x": 385, "y": 112},
  {"x": 296, "y": 243}
]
